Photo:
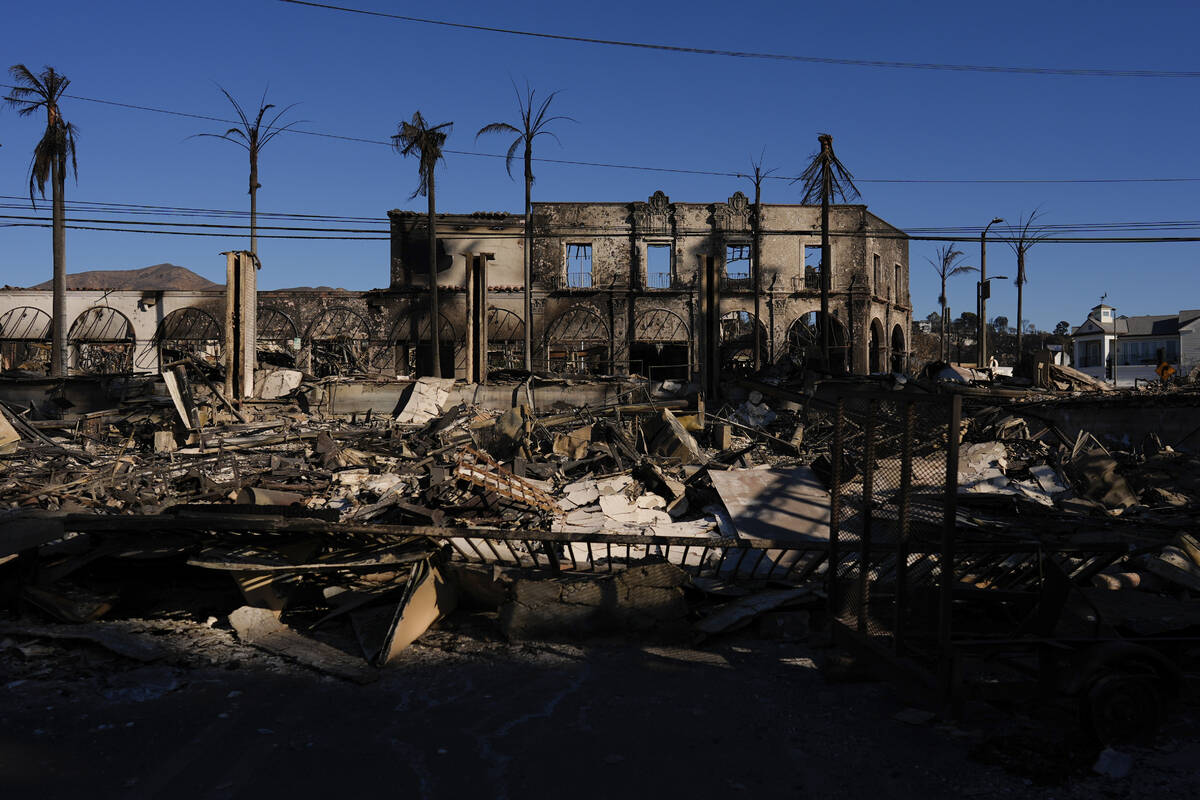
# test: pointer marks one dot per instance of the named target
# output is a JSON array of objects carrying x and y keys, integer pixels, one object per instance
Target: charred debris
[{"x": 964, "y": 534}]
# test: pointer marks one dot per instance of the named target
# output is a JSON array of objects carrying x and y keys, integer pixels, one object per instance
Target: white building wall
[{"x": 144, "y": 310}]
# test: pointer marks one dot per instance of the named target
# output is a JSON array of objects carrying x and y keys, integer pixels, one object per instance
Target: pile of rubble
[
  {"x": 336, "y": 541},
  {"x": 377, "y": 524}
]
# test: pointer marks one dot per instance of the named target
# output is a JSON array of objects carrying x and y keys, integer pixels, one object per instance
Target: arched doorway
[
  {"x": 738, "y": 329},
  {"x": 101, "y": 342},
  {"x": 413, "y": 346},
  {"x": 506, "y": 339},
  {"x": 188, "y": 333},
  {"x": 660, "y": 347},
  {"x": 25, "y": 339},
  {"x": 278, "y": 341},
  {"x": 804, "y": 342},
  {"x": 338, "y": 343},
  {"x": 577, "y": 341},
  {"x": 876, "y": 348},
  {"x": 899, "y": 352}
]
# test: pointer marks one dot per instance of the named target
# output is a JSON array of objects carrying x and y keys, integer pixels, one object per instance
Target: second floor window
[
  {"x": 579, "y": 266},
  {"x": 658, "y": 266},
  {"x": 737, "y": 261}
]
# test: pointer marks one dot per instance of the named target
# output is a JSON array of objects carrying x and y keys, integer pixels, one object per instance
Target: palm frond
[
  {"x": 824, "y": 172},
  {"x": 533, "y": 123},
  {"x": 56, "y": 147},
  {"x": 1026, "y": 233},
  {"x": 418, "y": 137}
]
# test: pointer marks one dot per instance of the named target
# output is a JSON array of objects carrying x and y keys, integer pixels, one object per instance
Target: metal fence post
[
  {"x": 835, "y": 504},
  {"x": 864, "y": 552},
  {"x": 902, "y": 531},
  {"x": 946, "y": 559}
]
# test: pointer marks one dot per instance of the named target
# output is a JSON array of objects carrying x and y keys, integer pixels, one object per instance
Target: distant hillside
[{"x": 155, "y": 278}]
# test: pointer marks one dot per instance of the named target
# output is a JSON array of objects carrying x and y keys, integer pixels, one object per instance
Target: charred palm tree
[
  {"x": 56, "y": 148},
  {"x": 532, "y": 124},
  {"x": 417, "y": 137},
  {"x": 823, "y": 179},
  {"x": 253, "y": 135},
  {"x": 947, "y": 265},
  {"x": 1022, "y": 236},
  {"x": 757, "y": 175}
]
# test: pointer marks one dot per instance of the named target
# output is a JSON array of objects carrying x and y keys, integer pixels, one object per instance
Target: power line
[
  {"x": 707, "y": 51},
  {"x": 238, "y": 231},
  {"x": 966, "y": 233},
  {"x": 640, "y": 167}
]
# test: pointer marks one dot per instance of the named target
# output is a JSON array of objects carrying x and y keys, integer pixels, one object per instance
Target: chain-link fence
[{"x": 892, "y": 512}]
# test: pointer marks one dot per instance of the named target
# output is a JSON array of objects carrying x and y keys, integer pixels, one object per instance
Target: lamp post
[
  {"x": 981, "y": 308},
  {"x": 983, "y": 290}
]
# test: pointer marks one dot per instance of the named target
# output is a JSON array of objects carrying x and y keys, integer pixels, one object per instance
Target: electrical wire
[
  {"x": 641, "y": 167},
  {"x": 708, "y": 51}
]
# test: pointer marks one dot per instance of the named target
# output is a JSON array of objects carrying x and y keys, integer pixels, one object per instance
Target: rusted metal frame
[
  {"x": 761, "y": 555},
  {"x": 902, "y": 531},
  {"x": 774, "y": 564},
  {"x": 948, "y": 667},
  {"x": 1095, "y": 566},
  {"x": 979, "y": 567},
  {"x": 1019, "y": 575},
  {"x": 460, "y": 551},
  {"x": 516, "y": 558},
  {"x": 835, "y": 506},
  {"x": 478, "y": 552},
  {"x": 864, "y": 542},
  {"x": 737, "y": 568}
]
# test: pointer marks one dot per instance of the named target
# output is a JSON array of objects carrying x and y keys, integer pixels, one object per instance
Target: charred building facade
[
  {"x": 663, "y": 289},
  {"x": 656, "y": 288}
]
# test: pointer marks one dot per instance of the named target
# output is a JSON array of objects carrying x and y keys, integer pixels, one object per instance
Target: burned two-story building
[
  {"x": 648, "y": 287},
  {"x": 655, "y": 288}
]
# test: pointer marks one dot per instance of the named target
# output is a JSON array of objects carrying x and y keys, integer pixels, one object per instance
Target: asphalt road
[{"x": 463, "y": 718}]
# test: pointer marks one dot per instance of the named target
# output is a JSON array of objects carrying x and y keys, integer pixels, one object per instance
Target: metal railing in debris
[{"x": 711, "y": 557}]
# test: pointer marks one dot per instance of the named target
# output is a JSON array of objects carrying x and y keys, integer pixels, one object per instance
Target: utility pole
[
  {"x": 826, "y": 257},
  {"x": 756, "y": 253},
  {"x": 527, "y": 260},
  {"x": 435, "y": 349},
  {"x": 755, "y": 246},
  {"x": 984, "y": 291}
]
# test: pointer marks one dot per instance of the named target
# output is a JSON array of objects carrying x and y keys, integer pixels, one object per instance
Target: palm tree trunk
[
  {"x": 942, "y": 352},
  {"x": 435, "y": 349},
  {"x": 528, "y": 257},
  {"x": 757, "y": 274},
  {"x": 1020, "y": 298},
  {"x": 254, "y": 203},
  {"x": 58, "y": 336},
  {"x": 826, "y": 258}
]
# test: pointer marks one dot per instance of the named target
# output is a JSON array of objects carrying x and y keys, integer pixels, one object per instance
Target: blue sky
[{"x": 359, "y": 76}]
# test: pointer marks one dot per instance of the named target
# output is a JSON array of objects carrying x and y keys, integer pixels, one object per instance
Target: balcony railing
[
  {"x": 736, "y": 281},
  {"x": 809, "y": 282},
  {"x": 573, "y": 280}
]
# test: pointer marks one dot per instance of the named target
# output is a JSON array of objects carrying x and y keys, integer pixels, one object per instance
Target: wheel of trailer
[{"x": 1125, "y": 706}]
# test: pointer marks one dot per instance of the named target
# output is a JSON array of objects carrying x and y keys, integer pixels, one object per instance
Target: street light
[
  {"x": 983, "y": 291},
  {"x": 981, "y": 306}
]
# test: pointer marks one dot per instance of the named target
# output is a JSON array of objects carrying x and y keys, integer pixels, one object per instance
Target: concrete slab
[{"x": 782, "y": 504}]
